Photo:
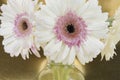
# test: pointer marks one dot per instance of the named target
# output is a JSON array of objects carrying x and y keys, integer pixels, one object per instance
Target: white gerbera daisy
[
  {"x": 72, "y": 28},
  {"x": 18, "y": 27},
  {"x": 113, "y": 38}
]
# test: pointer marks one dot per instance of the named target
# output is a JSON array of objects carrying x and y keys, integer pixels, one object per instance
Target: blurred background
[{"x": 18, "y": 69}]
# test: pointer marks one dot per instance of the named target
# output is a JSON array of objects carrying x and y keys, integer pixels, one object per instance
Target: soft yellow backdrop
[{"x": 110, "y": 5}]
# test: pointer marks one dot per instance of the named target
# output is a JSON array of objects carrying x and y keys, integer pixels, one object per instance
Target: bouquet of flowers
[{"x": 65, "y": 29}]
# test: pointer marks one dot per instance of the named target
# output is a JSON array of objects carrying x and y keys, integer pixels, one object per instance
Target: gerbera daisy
[
  {"x": 18, "y": 27},
  {"x": 113, "y": 38},
  {"x": 72, "y": 28}
]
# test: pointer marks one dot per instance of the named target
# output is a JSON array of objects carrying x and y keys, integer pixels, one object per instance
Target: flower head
[
  {"x": 18, "y": 28},
  {"x": 72, "y": 28},
  {"x": 113, "y": 38}
]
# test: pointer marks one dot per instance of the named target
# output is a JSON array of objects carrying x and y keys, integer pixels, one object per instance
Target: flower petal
[{"x": 89, "y": 50}]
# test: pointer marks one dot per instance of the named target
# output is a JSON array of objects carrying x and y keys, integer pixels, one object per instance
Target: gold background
[{"x": 18, "y": 69}]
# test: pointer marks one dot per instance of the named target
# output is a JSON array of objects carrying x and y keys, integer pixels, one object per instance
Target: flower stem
[
  {"x": 55, "y": 71},
  {"x": 110, "y": 20},
  {"x": 60, "y": 72}
]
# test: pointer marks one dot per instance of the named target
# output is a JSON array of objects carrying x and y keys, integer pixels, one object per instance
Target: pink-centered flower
[
  {"x": 71, "y": 28},
  {"x": 18, "y": 28},
  {"x": 23, "y": 27}
]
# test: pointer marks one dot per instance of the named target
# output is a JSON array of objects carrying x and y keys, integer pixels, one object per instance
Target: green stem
[
  {"x": 60, "y": 72},
  {"x": 110, "y": 20}
]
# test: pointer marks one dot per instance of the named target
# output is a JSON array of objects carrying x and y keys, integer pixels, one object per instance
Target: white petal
[
  {"x": 54, "y": 53},
  {"x": 91, "y": 48},
  {"x": 13, "y": 48},
  {"x": 46, "y": 38},
  {"x": 71, "y": 57},
  {"x": 6, "y": 29},
  {"x": 63, "y": 54},
  {"x": 95, "y": 19},
  {"x": 90, "y": 5},
  {"x": 43, "y": 33},
  {"x": 7, "y": 9},
  {"x": 48, "y": 46},
  {"x": 25, "y": 54},
  {"x": 51, "y": 6},
  {"x": 8, "y": 40},
  {"x": 80, "y": 55},
  {"x": 75, "y": 5},
  {"x": 46, "y": 12},
  {"x": 13, "y": 4},
  {"x": 35, "y": 51}
]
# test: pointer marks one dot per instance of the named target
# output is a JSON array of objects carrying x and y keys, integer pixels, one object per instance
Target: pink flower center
[
  {"x": 71, "y": 29},
  {"x": 23, "y": 27}
]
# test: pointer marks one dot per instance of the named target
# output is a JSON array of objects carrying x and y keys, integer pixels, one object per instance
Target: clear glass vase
[{"x": 60, "y": 72}]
